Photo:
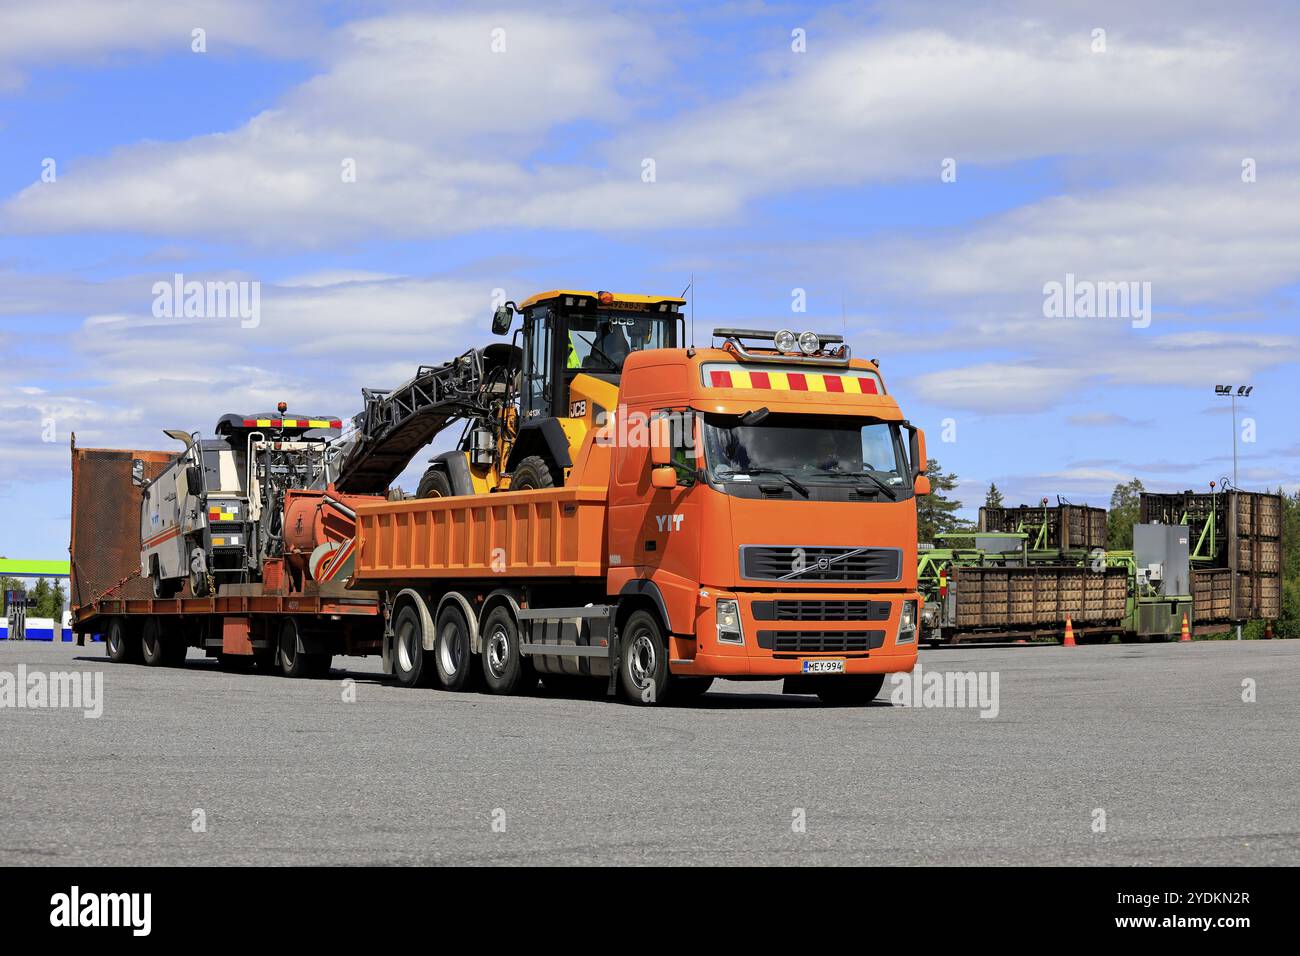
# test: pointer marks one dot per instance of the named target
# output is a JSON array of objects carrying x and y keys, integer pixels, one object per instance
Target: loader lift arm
[{"x": 396, "y": 423}]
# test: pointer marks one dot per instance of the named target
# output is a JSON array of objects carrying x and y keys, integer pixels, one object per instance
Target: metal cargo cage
[
  {"x": 1062, "y": 527},
  {"x": 106, "y": 522}
]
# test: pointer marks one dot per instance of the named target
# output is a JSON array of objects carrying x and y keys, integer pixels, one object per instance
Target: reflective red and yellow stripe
[
  {"x": 292, "y": 423},
  {"x": 793, "y": 381},
  {"x": 218, "y": 514}
]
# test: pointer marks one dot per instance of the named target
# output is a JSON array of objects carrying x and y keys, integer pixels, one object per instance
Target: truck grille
[
  {"x": 793, "y": 610},
  {"x": 781, "y": 563},
  {"x": 814, "y": 642}
]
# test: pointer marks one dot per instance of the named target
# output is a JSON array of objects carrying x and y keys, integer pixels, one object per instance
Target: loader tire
[
  {"x": 434, "y": 484},
  {"x": 532, "y": 472}
]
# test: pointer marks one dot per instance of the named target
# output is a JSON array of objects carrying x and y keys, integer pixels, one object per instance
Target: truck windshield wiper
[
  {"x": 795, "y": 484},
  {"x": 860, "y": 474}
]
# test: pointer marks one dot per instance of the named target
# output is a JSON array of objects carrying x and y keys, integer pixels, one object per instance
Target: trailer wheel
[
  {"x": 451, "y": 649},
  {"x": 434, "y": 484},
  {"x": 296, "y": 663},
  {"x": 532, "y": 472},
  {"x": 153, "y": 649},
  {"x": 122, "y": 644},
  {"x": 851, "y": 690},
  {"x": 505, "y": 671},
  {"x": 643, "y": 659},
  {"x": 411, "y": 666}
]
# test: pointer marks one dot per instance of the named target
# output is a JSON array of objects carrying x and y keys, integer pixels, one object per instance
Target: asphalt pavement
[{"x": 1122, "y": 754}]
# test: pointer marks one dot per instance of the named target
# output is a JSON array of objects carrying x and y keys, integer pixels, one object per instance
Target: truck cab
[{"x": 765, "y": 501}]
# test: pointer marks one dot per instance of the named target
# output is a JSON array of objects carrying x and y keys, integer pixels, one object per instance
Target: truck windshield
[{"x": 808, "y": 448}]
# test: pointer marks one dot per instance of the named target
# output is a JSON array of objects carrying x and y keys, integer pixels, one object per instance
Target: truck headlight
[
  {"x": 907, "y": 623},
  {"x": 728, "y": 618}
]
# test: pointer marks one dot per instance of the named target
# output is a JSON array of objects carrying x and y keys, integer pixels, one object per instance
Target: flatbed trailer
[{"x": 300, "y": 632}]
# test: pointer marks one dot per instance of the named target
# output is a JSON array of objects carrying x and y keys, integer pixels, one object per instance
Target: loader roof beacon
[{"x": 620, "y": 508}]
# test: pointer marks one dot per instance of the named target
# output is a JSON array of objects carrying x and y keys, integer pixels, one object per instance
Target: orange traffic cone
[
  {"x": 1187, "y": 634},
  {"x": 1268, "y": 630},
  {"x": 1069, "y": 634}
]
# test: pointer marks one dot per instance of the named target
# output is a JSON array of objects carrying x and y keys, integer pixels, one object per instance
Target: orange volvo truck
[
  {"x": 745, "y": 511},
  {"x": 621, "y": 508}
]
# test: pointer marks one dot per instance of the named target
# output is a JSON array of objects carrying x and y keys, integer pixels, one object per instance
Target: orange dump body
[{"x": 554, "y": 532}]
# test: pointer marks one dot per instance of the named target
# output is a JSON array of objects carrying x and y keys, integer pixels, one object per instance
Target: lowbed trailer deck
[{"x": 299, "y": 631}]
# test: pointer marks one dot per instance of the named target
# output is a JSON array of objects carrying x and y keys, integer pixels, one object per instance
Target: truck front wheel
[
  {"x": 852, "y": 690},
  {"x": 505, "y": 670},
  {"x": 643, "y": 659},
  {"x": 122, "y": 643}
]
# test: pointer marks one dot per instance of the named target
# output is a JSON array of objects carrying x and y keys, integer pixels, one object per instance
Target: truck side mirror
[
  {"x": 917, "y": 452},
  {"x": 921, "y": 485},
  {"x": 501, "y": 319},
  {"x": 194, "y": 480},
  {"x": 663, "y": 476},
  {"x": 661, "y": 440},
  {"x": 137, "y": 471}
]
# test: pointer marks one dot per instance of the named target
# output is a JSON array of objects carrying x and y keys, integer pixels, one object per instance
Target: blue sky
[{"x": 775, "y": 169}]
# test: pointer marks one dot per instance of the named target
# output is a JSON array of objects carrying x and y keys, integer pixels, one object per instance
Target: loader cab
[{"x": 568, "y": 333}]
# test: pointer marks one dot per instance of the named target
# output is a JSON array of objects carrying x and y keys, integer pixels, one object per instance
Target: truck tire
[
  {"x": 121, "y": 642},
  {"x": 851, "y": 690},
  {"x": 153, "y": 643},
  {"x": 532, "y": 472},
  {"x": 453, "y": 657},
  {"x": 296, "y": 663},
  {"x": 643, "y": 660},
  {"x": 690, "y": 688},
  {"x": 412, "y": 666},
  {"x": 505, "y": 669},
  {"x": 434, "y": 484}
]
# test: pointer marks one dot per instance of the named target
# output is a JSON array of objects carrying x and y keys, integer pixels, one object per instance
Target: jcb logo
[{"x": 669, "y": 522}]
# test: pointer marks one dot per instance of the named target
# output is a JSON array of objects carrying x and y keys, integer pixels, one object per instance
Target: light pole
[{"x": 1234, "y": 392}]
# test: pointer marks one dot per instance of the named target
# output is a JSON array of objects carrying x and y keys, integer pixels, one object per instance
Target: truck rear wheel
[
  {"x": 851, "y": 690},
  {"x": 434, "y": 484},
  {"x": 153, "y": 648},
  {"x": 643, "y": 659},
  {"x": 411, "y": 665},
  {"x": 122, "y": 643},
  {"x": 452, "y": 654},
  {"x": 505, "y": 669},
  {"x": 532, "y": 472}
]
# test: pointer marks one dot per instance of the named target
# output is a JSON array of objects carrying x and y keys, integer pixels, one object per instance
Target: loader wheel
[
  {"x": 532, "y": 472},
  {"x": 851, "y": 690},
  {"x": 153, "y": 648},
  {"x": 198, "y": 583},
  {"x": 643, "y": 660},
  {"x": 434, "y": 484},
  {"x": 412, "y": 665},
  {"x": 122, "y": 643},
  {"x": 451, "y": 649},
  {"x": 505, "y": 669}
]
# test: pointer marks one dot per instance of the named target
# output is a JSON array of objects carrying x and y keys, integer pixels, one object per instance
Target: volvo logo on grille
[
  {"x": 819, "y": 563},
  {"x": 823, "y": 564}
]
